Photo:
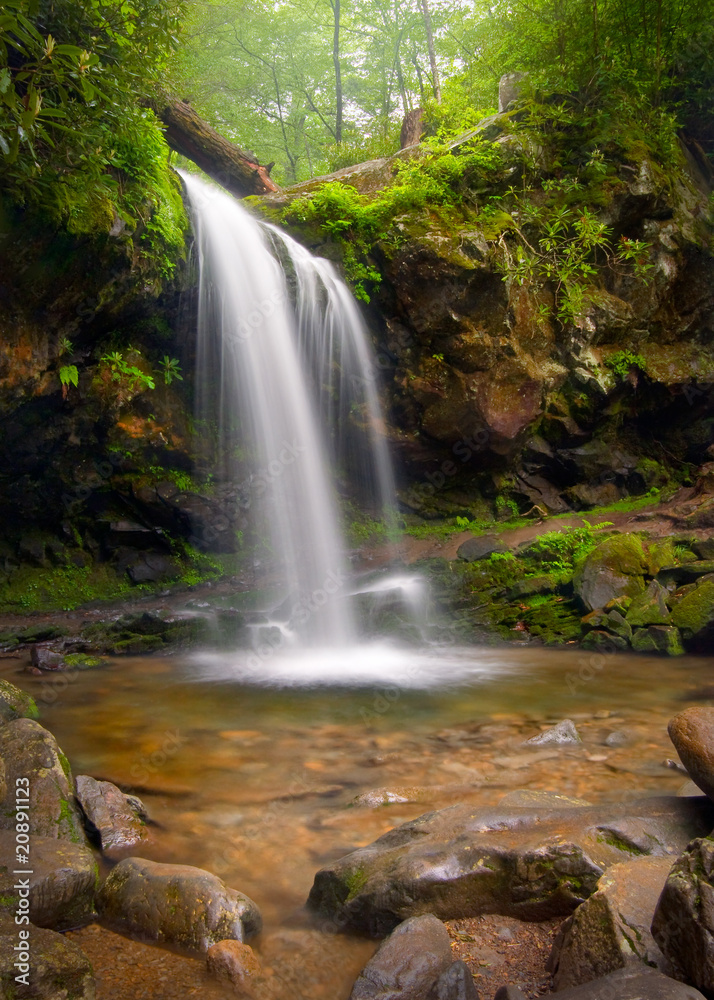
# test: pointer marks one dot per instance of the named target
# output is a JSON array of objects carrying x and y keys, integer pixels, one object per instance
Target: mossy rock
[
  {"x": 84, "y": 661},
  {"x": 16, "y": 703},
  {"x": 649, "y": 608},
  {"x": 136, "y": 644},
  {"x": 615, "y": 568},
  {"x": 42, "y": 633},
  {"x": 693, "y": 614},
  {"x": 658, "y": 639},
  {"x": 605, "y": 642}
]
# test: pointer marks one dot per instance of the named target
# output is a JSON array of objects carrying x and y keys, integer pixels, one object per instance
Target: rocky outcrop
[
  {"x": 15, "y": 703},
  {"x": 611, "y": 929},
  {"x": 184, "y": 907},
  {"x": 530, "y": 863},
  {"x": 683, "y": 924}
]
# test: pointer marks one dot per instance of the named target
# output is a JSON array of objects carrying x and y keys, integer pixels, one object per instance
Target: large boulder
[
  {"x": 185, "y": 907},
  {"x": 408, "y": 963},
  {"x": 692, "y": 732},
  {"x": 62, "y": 881},
  {"x": 31, "y": 754},
  {"x": 56, "y": 969},
  {"x": 15, "y": 703},
  {"x": 693, "y": 610},
  {"x": 116, "y": 819},
  {"x": 631, "y": 983},
  {"x": 612, "y": 927},
  {"x": 683, "y": 924},
  {"x": 615, "y": 568},
  {"x": 531, "y": 863}
]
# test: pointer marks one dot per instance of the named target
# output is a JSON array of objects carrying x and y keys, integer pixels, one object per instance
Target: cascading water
[{"x": 285, "y": 370}]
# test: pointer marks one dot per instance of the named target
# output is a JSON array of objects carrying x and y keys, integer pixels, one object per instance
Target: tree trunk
[
  {"x": 188, "y": 134},
  {"x": 432, "y": 50},
  {"x": 338, "y": 72}
]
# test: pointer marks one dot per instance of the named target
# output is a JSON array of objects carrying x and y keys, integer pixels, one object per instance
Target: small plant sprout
[{"x": 171, "y": 369}]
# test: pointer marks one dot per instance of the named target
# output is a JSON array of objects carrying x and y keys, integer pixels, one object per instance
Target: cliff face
[{"x": 482, "y": 374}]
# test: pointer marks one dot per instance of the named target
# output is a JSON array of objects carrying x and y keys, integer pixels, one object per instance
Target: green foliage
[
  {"x": 69, "y": 375},
  {"x": 62, "y": 587},
  {"x": 65, "y": 346},
  {"x": 171, "y": 369},
  {"x": 561, "y": 550},
  {"x": 506, "y": 508},
  {"x": 129, "y": 376},
  {"x": 438, "y": 179},
  {"x": 74, "y": 141},
  {"x": 621, "y": 363}
]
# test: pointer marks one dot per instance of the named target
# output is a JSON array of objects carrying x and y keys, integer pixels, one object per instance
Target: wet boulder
[
  {"x": 62, "y": 881},
  {"x": 407, "y": 964},
  {"x": 683, "y": 924},
  {"x": 15, "y": 703},
  {"x": 564, "y": 734},
  {"x": 179, "y": 905},
  {"x": 117, "y": 820},
  {"x": 615, "y": 568},
  {"x": 57, "y": 969},
  {"x": 612, "y": 927},
  {"x": 530, "y": 863},
  {"x": 692, "y": 732},
  {"x": 456, "y": 983},
  {"x": 31, "y": 754}
]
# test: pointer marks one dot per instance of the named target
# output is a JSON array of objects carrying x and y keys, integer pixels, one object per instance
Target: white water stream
[{"x": 285, "y": 371}]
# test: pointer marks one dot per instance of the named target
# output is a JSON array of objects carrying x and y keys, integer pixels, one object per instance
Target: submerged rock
[
  {"x": 57, "y": 968},
  {"x": 612, "y": 927},
  {"x": 31, "y": 754},
  {"x": 118, "y": 820},
  {"x": 530, "y": 863},
  {"x": 408, "y": 963},
  {"x": 179, "y": 905},
  {"x": 236, "y": 963},
  {"x": 692, "y": 733},
  {"x": 562, "y": 734},
  {"x": 63, "y": 881}
]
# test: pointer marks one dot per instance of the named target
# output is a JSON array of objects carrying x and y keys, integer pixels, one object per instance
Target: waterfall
[{"x": 286, "y": 374}]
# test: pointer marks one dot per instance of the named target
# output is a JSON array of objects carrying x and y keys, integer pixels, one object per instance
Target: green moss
[
  {"x": 61, "y": 588},
  {"x": 615, "y": 840},
  {"x": 67, "y": 823},
  {"x": 355, "y": 881},
  {"x": 695, "y": 611},
  {"x": 83, "y": 661},
  {"x": 65, "y": 765}
]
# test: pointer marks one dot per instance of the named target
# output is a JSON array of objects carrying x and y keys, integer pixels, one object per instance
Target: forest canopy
[{"x": 314, "y": 84}]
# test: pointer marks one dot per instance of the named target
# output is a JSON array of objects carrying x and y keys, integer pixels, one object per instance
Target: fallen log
[{"x": 234, "y": 169}]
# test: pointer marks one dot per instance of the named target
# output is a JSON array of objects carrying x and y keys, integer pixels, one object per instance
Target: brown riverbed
[{"x": 265, "y": 785}]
